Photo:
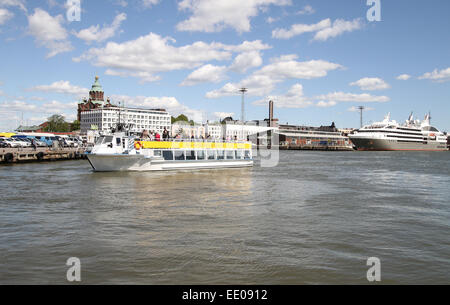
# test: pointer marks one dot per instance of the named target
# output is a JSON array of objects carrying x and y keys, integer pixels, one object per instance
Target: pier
[{"x": 20, "y": 155}]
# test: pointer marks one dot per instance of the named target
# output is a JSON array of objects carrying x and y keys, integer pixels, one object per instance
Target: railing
[{"x": 192, "y": 140}]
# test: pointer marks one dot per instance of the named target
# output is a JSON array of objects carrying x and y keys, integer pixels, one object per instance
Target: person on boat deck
[
  {"x": 235, "y": 138},
  {"x": 157, "y": 137},
  {"x": 145, "y": 134},
  {"x": 192, "y": 137},
  {"x": 151, "y": 136},
  {"x": 165, "y": 134}
]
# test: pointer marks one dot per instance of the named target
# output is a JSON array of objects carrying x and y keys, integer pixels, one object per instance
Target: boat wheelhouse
[{"x": 118, "y": 152}]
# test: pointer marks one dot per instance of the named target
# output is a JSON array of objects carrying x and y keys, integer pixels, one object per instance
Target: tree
[
  {"x": 181, "y": 117},
  {"x": 57, "y": 123},
  {"x": 75, "y": 125}
]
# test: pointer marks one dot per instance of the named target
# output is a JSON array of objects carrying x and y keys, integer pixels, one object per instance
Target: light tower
[
  {"x": 361, "y": 109},
  {"x": 243, "y": 91}
]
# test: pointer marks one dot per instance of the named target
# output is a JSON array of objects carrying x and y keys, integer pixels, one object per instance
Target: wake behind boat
[
  {"x": 390, "y": 135},
  {"x": 119, "y": 152}
]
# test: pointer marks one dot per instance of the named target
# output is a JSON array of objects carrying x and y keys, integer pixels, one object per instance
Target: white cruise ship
[{"x": 390, "y": 135}]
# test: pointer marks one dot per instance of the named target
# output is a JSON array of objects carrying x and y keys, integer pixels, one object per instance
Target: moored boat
[
  {"x": 119, "y": 152},
  {"x": 390, "y": 135}
]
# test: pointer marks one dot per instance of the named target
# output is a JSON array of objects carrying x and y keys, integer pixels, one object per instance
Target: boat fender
[
  {"x": 40, "y": 156},
  {"x": 137, "y": 145},
  {"x": 9, "y": 158}
]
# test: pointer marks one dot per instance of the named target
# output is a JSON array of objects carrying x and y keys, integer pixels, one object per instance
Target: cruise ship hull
[
  {"x": 117, "y": 162},
  {"x": 390, "y": 145}
]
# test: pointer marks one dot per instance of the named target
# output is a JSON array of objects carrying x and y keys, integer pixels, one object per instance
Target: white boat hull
[{"x": 117, "y": 162}]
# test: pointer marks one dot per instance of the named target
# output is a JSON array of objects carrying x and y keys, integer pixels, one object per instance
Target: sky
[{"x": 318, "y": 60}]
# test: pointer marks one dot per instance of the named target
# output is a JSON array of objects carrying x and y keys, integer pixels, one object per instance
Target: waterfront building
[
  {"x": 186, "y": 130},
  {"x": 213, "y": 130},
  {"x": 96, "y": 114},
  {"x": 138, "y": 119},
  {"x": 313, "y": 138}
]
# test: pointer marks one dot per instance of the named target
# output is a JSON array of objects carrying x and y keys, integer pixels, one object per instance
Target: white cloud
[
  {"x": 19, "y": 3},
  {"x": 216, "y": 15},
  {"x": 5, "y": 15},
  {"x": 438, "y": 76},
  {"x": 339, "y": 27},
  {"x": 298, "y": 29},
  {"x": 145, "y": 77},
  {"x": 271, "y": 20},
  {"x": 64, "y": 87},
  {"x": 151, "y": 54},
  {"x": 323, "y": 29},
  {"x": 404, "y": 77},
  {"x": 17, "y": 106},
  {"x": 49, "y": 32},
  {"x": 122, "y": 3},
  {"x": 149, "y": 3},
  {"x": 97, "y": 34},
  {"x": 58, "y": 107},
  {"x": 371, "y": 84},
  {"x": 323, "y": 104},
  {"x": 246, "y": 60},
  {"x": 222, "y": 115},
  {"x": 263, "y": 81},
  {"x": 351, "y": 97},
  {"x": 204, "y": 74},
  {"x": 171, "y": 104},
  {"x": 293, "y": 99},
  {"x": 306, "y": 10}
]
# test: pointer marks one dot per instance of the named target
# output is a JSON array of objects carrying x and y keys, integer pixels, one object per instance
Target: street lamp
[{"x": 243, "y": 91}]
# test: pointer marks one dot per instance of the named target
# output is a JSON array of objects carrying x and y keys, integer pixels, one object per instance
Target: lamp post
[
  {"x": 243, "y": 91},
  {"x": 361, "y": 109}
]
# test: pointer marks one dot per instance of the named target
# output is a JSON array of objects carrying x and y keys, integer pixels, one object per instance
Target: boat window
[
  {"x": 230, "y": 154},
  {"x": 190, "y": 155},
  {"x": 179, "y": 155},
  {"x": 211, "y": 155},
  {"x": 220, "y": 155},
  {"x": 157, "y": 153},
  {"x": 200, "y": 155},
  {"x": 168, "y": 155},
  {"x": 237, "y": 154},
  {"x": 247, "y": 154},
  {"x": 118, "y": 141},
  {"x": 99, "y": 141},
  {"x": 108, "y": 139}
]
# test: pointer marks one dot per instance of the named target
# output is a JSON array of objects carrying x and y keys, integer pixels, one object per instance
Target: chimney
[{"x": 270, "y": 113}]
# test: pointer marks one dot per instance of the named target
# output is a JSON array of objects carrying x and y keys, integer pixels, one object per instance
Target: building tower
[{"x": 96, "y": 99}]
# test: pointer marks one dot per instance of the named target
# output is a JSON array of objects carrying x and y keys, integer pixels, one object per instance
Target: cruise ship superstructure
[{"x": 390, "y": 135}]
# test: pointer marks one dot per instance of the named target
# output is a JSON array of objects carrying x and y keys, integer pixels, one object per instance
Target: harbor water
[{"x": 314, "y": 219}]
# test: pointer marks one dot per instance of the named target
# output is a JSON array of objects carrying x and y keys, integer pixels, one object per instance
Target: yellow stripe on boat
[{"x": 193, "y": 145}]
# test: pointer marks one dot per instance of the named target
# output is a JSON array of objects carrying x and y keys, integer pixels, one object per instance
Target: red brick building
[{"x": 96, "y": 99}]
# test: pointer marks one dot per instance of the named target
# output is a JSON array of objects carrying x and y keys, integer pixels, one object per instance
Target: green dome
[{"x": 96, "y": 86}]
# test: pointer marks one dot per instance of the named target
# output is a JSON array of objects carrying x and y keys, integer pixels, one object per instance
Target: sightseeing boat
[{"x": 119, "y": 152}]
